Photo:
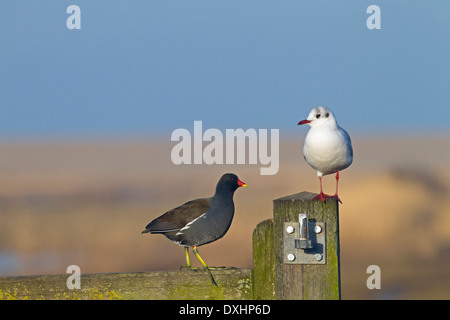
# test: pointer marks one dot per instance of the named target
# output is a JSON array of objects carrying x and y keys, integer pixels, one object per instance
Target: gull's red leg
[
  {"x": 337, "y": 182},
  {"x": 322, "y": 197}
]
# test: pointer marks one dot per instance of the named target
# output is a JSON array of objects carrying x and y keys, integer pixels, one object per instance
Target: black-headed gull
[{"x": 327, "y": 147}]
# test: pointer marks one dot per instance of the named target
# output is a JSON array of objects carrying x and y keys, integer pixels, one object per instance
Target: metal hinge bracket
[{"x": 304, "y": 241}]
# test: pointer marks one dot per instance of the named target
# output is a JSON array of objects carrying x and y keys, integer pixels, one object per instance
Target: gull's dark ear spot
[{"x": 327, "y": 115}]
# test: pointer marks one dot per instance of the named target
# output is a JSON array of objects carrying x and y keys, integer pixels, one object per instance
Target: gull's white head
[{"x": 318, "y": 116}]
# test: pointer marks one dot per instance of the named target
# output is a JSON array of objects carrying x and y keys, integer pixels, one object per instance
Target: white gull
[{"x": 327, "y": 147}]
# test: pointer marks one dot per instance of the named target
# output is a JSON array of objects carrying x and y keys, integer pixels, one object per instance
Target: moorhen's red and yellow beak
[{"x": 241, "y": 184}]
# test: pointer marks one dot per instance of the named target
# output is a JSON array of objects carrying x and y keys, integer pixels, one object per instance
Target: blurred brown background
[{"x": 86, "y": 202}]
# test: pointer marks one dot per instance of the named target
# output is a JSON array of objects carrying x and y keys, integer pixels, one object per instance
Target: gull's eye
[{"x": 318, "y": 115}]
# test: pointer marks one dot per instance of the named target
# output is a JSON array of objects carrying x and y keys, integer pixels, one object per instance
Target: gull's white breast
[{"x": 328, "y": 149}]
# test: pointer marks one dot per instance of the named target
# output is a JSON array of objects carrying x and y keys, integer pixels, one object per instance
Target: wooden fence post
[
  {"x": 275, "y": 279},
  {"x": 263, "y": 261},
  {"x": 307, "y": 281}
]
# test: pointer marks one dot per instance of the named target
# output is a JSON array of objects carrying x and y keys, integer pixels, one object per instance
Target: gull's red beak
[
  {"x": 303, "y": 122},
  {"x": 241, "y": 184}
]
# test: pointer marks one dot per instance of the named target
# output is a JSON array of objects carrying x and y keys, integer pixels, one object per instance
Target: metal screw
[
  {"x": 291, "y": 257},
  {"x": 317, "y": 229},
  {"x": 290, "y": 229},
  {"x": 318, "y": 256}
]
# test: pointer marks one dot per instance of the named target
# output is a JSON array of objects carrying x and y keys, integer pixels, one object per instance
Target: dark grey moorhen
[{"x": 200, "y": 221}]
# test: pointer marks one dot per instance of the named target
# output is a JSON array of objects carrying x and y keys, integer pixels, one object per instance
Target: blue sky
[{"x": 149, "y": 67}]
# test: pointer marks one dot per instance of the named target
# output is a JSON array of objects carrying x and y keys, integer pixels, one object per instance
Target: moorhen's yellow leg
[
  {"x": 194, "y": 249},
  {"x": 188, "y": 261}
]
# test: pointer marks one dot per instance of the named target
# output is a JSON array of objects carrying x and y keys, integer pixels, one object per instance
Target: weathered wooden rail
[{"x": 270, "y": 277}]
